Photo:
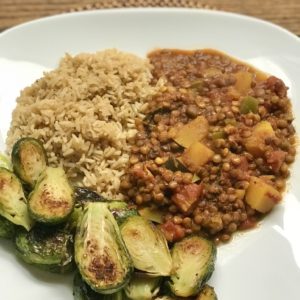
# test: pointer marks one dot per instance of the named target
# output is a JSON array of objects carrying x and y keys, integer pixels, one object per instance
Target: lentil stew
[{"x": 212, "y": 155}]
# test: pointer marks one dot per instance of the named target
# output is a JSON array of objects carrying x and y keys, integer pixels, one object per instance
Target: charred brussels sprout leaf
[
  {"x": 101, "y": 256},
  {"x": 29, "y": 159},
  {"x": 13, "y": 205},
  {"x": 120, "y": 210},
  {"x": 142, "y": 288},
  {"x": 7, "y": 229},
  {"x": 52, "y": 200},
  {"x": 147, "y": 246},
  {"x": 82, "y": 291},
  {"x": 50, "y": 248},
  {"x": 84, "y": 195},
  {"x": 193, "y": 262},
  {"x": 207, "y": 293}
]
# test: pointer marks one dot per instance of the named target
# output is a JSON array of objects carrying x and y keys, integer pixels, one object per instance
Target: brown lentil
[{"x": 218, "y": 212}]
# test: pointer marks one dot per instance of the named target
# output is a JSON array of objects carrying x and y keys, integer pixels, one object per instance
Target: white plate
[{"x": 263, "y": 264}]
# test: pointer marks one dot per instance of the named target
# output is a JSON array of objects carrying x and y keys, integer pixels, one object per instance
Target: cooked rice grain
[{"x": 84, "y": 113}]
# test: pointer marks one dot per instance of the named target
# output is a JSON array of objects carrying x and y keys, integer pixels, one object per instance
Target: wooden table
[{"x": 285, "y": 13}]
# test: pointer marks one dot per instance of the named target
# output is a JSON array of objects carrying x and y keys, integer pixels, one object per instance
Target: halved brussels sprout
[
  {"x": 147, "y": 246},
  {"x": 7, "y": 229},
  {"x": 29, "y": 159},
  {"x": 52, "y": 200},
  {"x": 13, "y": 204},
  {"x": 207, "y": 293},
  {"x": 142, "y": 288},
  {"x": 164, "y": 298},
  {"x": 49, "y": 248},
  {"x": 82, "y": 291},
  {"x": 193, "y": 262},
  {"x": 100, "y": 253}
]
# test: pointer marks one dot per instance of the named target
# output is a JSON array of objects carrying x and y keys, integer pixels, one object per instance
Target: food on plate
[
  {"x": 142, "y": 288},
  {"x": 100, "y": 253},
  {"x": 5, "y": 162},
  {"x": 132, "y": 170},
  {"x": 49, "y": 248},
  {"x": 51, "y": 201},
  {"x": 261, "y": 195},
  {"x": 82, "y": 291},
  {"x": 13, "y": 204},
  {"x": 207, "y": 293},
  {"x": 218, "y": 124},
  {"x": 29, "y": 159},
  {"x": 193, "y": 264},
  {"x": 7, "y": 228},
  {"x": 83, "y": 112},
  {"x": 121, "y": 211},
  {"x": 147, "y": 246}
]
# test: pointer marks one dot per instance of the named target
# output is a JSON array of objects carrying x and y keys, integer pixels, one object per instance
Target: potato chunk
[
  {"x": 256, "y": 143},
  {"x": 261, "y": 196},
  {"x": 191, "y": 132},
  {"x": 196, "y": 156},
  {"x": 243, "y": 82}
]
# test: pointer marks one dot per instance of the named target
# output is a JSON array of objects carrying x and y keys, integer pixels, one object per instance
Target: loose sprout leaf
[
  {"x": 5, "y": 162},
  {"x": 153, "y": 214}
]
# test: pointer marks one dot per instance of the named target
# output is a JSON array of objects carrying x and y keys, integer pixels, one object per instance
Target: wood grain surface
[{"x": 285, "y": 13}]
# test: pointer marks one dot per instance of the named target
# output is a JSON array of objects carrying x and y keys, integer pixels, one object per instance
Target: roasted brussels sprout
[
  {"x": 147, "y": 246},
  {"x": 29, "y": 159},
  {"x": 193, "y": 263},
  {"x": 13, "y": 205},
  {"x": 50, "y": 248},
  {"x": 142, "y": 288},
  {"x": 52, "y": 200},
  {"x": 7, "y": 229},
  {"x": 207, "y": 293},
  {"x": 82, "y": 291},
  {"x": 101, "y": 256}
]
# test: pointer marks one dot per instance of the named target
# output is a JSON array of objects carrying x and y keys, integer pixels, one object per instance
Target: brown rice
[{"x": 84, "y": 112}]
